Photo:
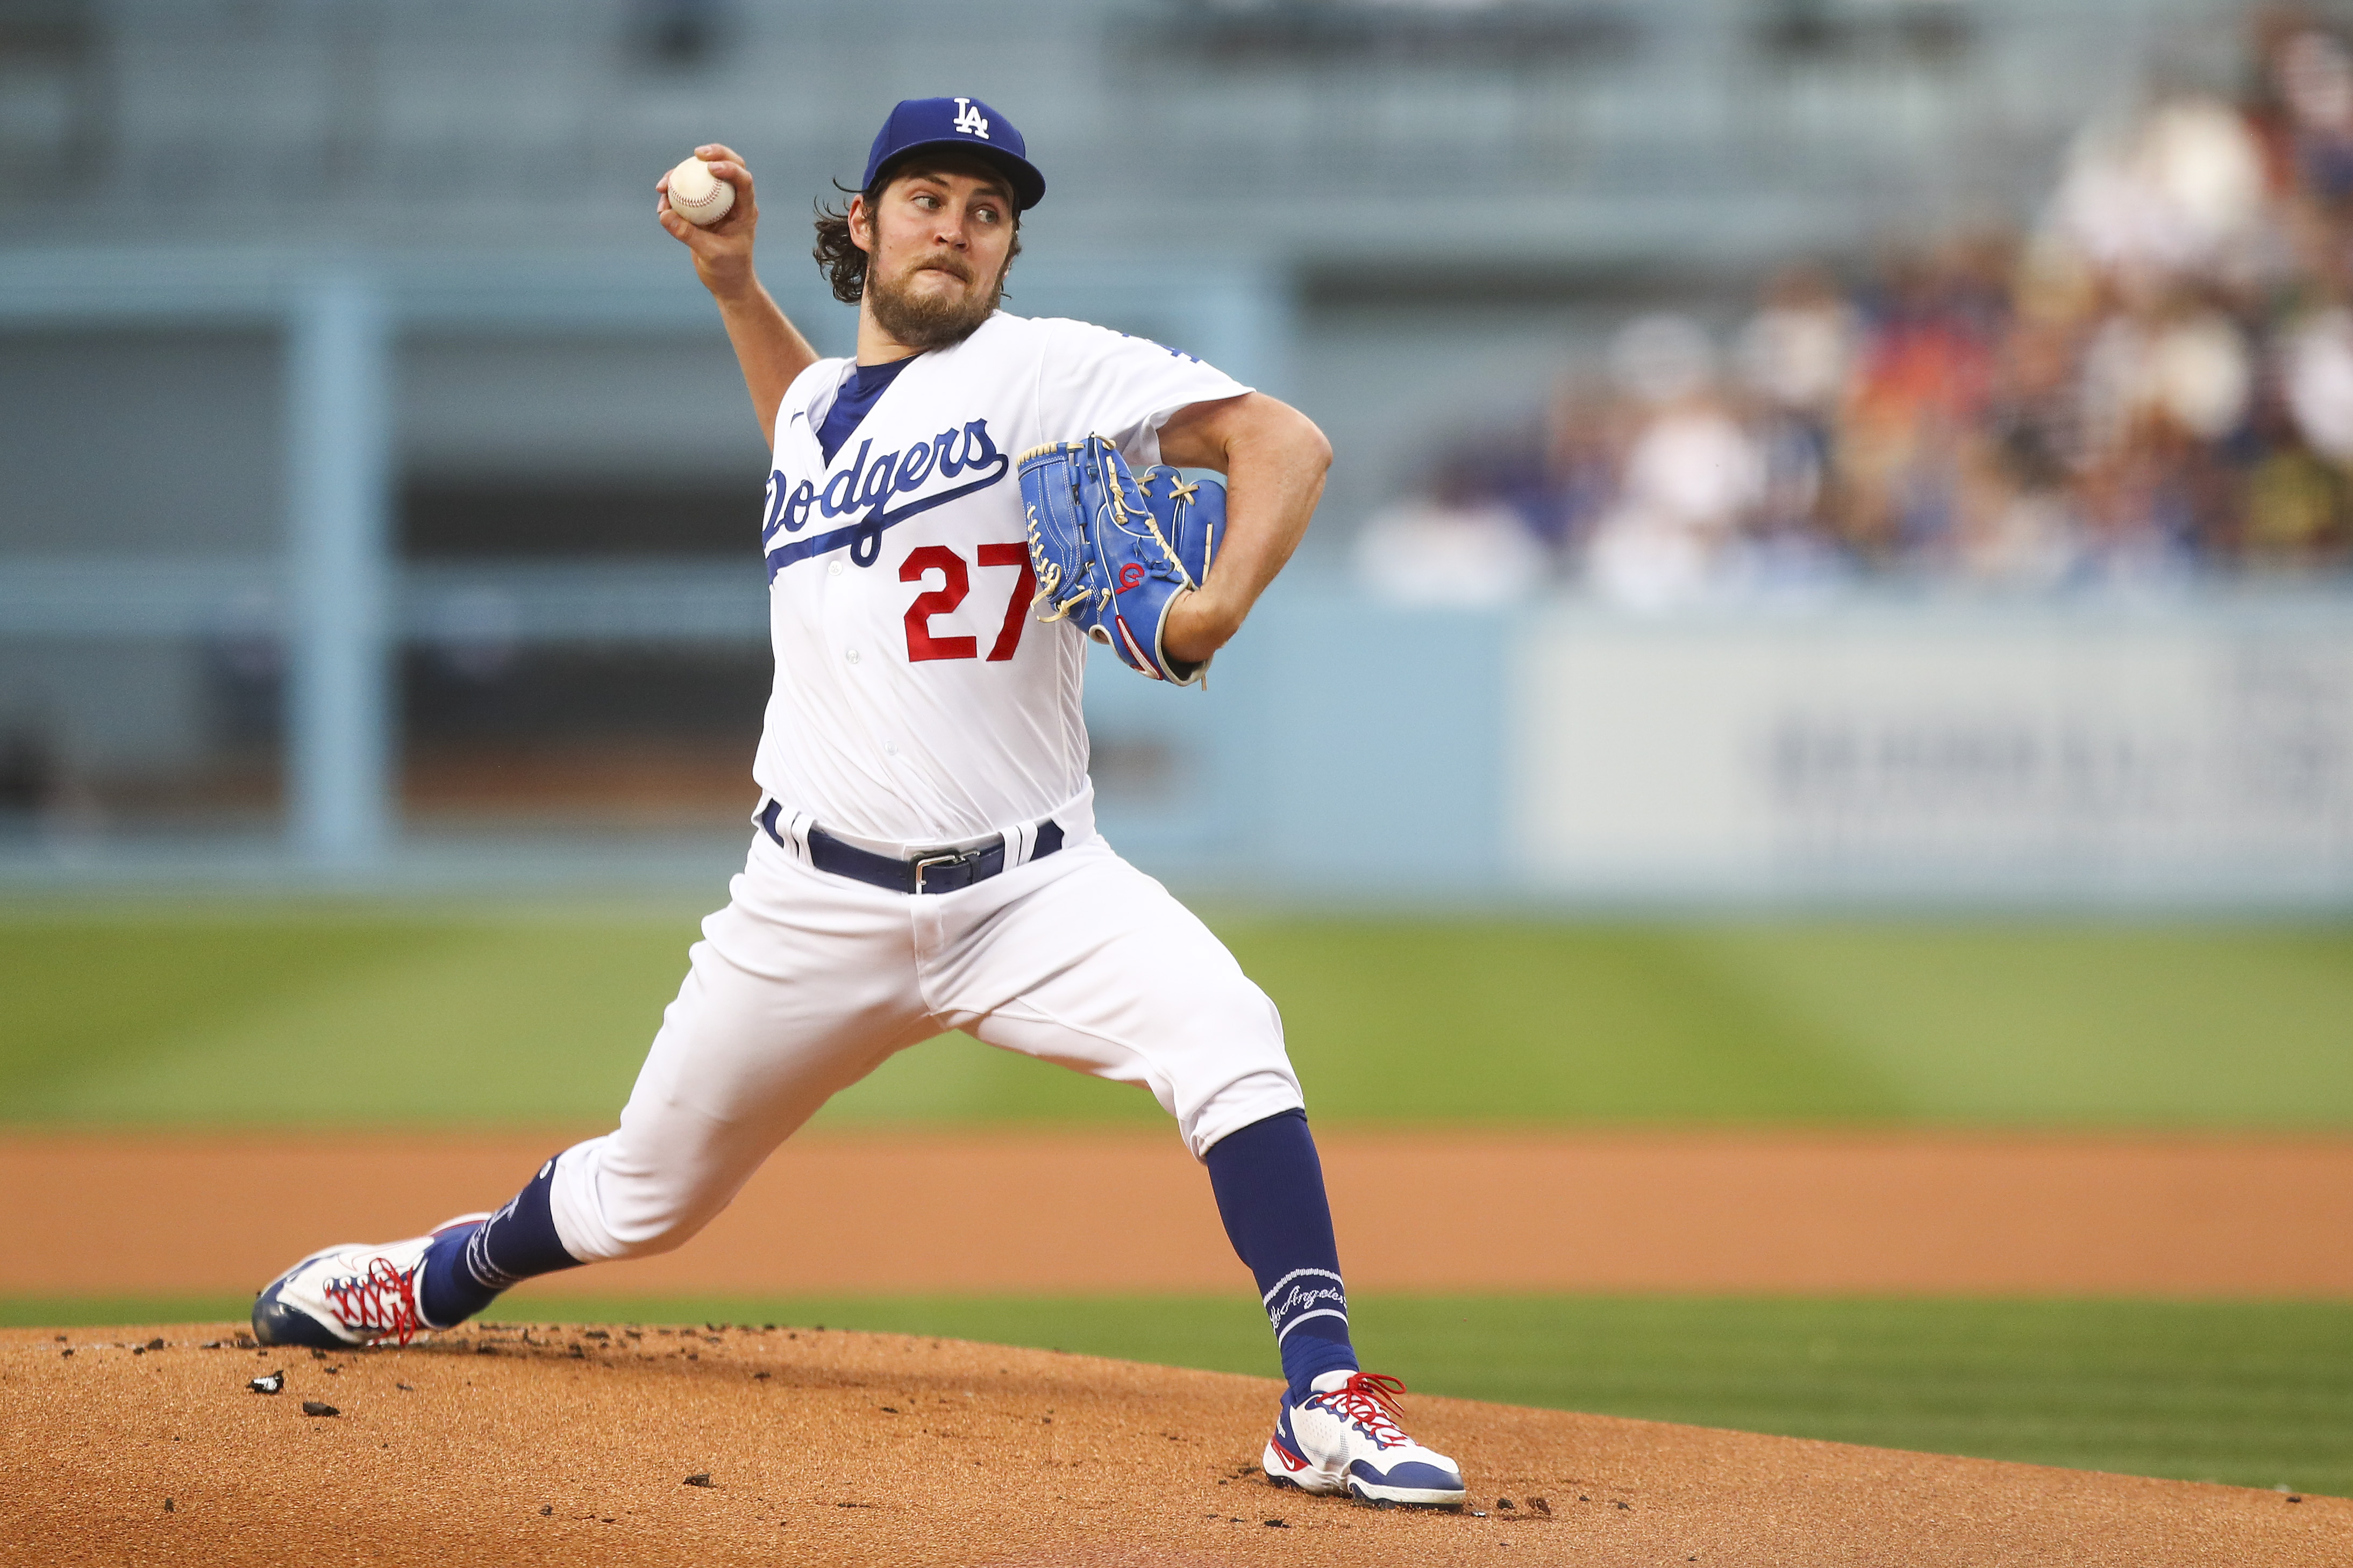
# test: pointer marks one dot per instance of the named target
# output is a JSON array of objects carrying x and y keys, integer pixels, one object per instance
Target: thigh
[
  {"x": 801, "y": 985},
  {"x": 1096, "y": 966}
]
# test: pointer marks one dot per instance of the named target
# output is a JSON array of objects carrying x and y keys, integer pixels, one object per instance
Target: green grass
[
  {"x": 2256, "y": 1394},
  {"x": 326, "y": 1013},
  {"x": 263, "y": 1013}
]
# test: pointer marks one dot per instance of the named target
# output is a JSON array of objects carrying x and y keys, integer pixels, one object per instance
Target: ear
[{"x": 861, "y": 224}]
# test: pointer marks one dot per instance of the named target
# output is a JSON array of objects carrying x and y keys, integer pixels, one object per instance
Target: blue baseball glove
[{"x": 1112, "y": 552}]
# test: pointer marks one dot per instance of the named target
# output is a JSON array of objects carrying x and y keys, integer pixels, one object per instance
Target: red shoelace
[
  {"x": 1370, "y": 1401},
  {"x": 382, "y": 1302}
]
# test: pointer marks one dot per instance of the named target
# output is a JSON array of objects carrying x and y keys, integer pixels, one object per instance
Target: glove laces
[
  {"x": 1124, "y": 517},
  {"x": 1370, "y": 1401},
  {"x": 382, "y": 1302}
]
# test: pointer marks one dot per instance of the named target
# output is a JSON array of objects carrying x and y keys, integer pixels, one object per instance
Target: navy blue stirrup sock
[
  {"x": 466, "y": 1268},
  {"x": 1270, "y": 1188}
]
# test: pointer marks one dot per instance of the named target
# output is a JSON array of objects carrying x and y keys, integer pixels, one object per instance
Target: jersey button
[
  {"x": 834, "y": 570},
  {"x": 850, "y": 654}
]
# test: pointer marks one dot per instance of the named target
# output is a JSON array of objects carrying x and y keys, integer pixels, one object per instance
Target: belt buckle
[{"x": 925, "y": 862}]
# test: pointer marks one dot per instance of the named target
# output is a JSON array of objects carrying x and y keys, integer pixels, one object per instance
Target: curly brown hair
[{"x": 837, "y": 254}]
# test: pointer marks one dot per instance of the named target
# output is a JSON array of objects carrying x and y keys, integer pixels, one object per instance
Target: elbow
[
  {"x": 1313, "y": 447},
  {"x": 1320, "y": 449}
]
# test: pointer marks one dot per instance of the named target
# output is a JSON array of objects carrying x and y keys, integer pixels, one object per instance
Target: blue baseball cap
[{"x": 965, "y": 123}]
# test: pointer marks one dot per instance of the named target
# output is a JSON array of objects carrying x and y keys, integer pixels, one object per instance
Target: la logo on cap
[{"x": 970, "y": 120}]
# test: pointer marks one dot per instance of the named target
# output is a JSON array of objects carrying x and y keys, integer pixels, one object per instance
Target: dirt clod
[
  {"x": 1503, "y": 1502},
  {"x": 155, "y": 1344},
  {"x": 1539, "y": 1504},
  {"x": 167, "y": 1505},
  {"x": 319, "y": 1407},
  {"x": 700, "y": 1478}
]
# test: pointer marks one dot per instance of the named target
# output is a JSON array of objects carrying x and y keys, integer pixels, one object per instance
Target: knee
[{"x": 1249, "y": 1097}]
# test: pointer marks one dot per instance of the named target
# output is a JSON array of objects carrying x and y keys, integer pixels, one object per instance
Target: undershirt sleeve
[{"x": 1096, "y": 382}]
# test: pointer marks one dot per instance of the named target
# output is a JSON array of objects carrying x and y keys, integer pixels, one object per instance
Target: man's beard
[{"x": 928, "y": 321}]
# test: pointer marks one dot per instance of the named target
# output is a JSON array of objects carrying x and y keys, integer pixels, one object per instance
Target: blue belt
[{"x": 944, "y": 873}]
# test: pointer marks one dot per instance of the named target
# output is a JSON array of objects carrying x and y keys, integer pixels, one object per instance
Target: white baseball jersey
[{"x": 918, "y": 702}]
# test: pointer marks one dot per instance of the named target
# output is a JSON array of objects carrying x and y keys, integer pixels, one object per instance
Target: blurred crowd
[{"x": 2155, "y": 383}]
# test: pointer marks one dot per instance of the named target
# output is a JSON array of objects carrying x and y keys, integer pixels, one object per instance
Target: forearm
[
  {"x": 768, "y": 347},
  {"x": 1274, "y": 459}
]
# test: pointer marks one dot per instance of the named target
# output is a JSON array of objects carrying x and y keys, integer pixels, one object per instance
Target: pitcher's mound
[{"x": 506, "y": 1444}]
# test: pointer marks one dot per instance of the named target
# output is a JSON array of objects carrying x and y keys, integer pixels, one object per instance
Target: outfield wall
[
  {"x": 2194, "y": 752},
  {"x": 2182, "y": 752}
]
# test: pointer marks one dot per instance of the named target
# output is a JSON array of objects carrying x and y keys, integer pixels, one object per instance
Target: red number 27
[{"x": 955, "y": 584}]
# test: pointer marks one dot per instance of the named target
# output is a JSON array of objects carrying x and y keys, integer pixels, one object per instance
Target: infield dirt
[
  {"x": 914, "y": 1211},
  {"x": 544, "y": 1444}
]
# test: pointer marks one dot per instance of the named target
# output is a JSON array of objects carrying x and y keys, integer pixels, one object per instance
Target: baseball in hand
[{"x": 697, "y": 197}]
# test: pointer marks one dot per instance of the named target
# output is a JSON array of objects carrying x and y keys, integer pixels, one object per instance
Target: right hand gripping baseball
[
  {"x": 1113, "y": 552},
  {"x": 722, "y": 252}
]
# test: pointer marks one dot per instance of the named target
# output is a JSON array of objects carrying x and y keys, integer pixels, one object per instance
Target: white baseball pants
[{"x": 807, "y": 981}]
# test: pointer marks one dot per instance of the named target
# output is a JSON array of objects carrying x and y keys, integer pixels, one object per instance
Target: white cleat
[
  {"x": 354, "y": 1294},
  {"x": 1344, "y": 1438}
]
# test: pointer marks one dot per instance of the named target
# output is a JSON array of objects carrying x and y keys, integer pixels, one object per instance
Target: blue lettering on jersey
[
  {"x": 868, "y": 486},
  {"x": 1164, "y": 347}
]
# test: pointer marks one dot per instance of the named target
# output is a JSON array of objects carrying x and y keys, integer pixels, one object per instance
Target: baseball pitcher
[{"x": 950, "y": 516}]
